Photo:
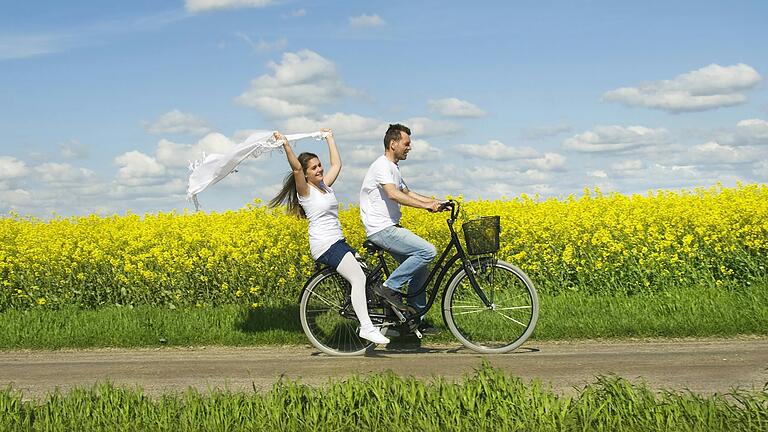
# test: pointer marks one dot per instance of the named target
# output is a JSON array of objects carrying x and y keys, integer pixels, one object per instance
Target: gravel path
[{"x": 704, "y": 366}]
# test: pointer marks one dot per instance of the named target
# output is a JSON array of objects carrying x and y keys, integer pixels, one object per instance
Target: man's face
[{"x": 401, "y": 147}]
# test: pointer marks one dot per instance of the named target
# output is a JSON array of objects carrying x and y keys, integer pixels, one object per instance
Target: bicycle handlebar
[{"x": 451, "y": 205}]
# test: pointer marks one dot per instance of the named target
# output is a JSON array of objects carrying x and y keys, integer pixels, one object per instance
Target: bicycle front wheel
[
  {"x": 327, "y": 316},
  {"x": 510, "y": 319}
]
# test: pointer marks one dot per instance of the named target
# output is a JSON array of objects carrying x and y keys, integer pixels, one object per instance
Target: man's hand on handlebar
[
  {"x": 440, "y": 206},
  {"x": 433, "y": 206}
]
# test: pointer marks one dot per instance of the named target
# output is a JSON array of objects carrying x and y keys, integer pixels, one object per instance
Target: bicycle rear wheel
[
  {"x": 507, "y": 323},
  {"x": 327, "y": 317}
]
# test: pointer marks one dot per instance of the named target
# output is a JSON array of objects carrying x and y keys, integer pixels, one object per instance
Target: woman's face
[{"x": 314, "y": 171}]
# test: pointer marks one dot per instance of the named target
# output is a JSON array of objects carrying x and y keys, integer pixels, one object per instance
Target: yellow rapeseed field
[{"x": 596, "y": 243}]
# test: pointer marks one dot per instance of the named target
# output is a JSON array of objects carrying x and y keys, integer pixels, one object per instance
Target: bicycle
[{"x": 489, "y": 305}]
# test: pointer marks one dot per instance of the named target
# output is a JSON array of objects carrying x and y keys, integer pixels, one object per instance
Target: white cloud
[
  {"x": 15, "y": 198},
  {"x": 749, "y": 132},
  {"x": 616, "y": 138},
  {"x": 178, "y": 122},
  {"x": 299, "y": 13},
  {"x": 424, "y": 127},
  {"x": 159, "y": 192},
  {"x": 363, "y": 154},
  {"x": 714, "y": 153},
  {"x": 598, "y": 174},
  {"x": 297, "y": 86},
  {"x": 174, "y": 155},
  {"x": 505, "y": 189},
  {"x": 453, "y": 107},
  {"x": 138, "y": 169},
  {"x": 754, "y": 130},
  {"x": 73, "y": 150},
  {"x": 351, "y": 127},
  {"x": 666, "y": 175},
  {"x": 628, "y": 165},
  {"x": 63, "y": 174},
  {"x": 24, "y": 46},
  {"x": 263, "y": 46},
  {"x": 549, "y": 162},
  {"x": 18, "y": 46},
  {"x": 11, "y": 168},
  {"x": 366, "y": 21},
  {"x": 710, "y": 87},
  {"x": 431, "y": 180},
  {"x": 496, "y": 150},
  {"x": 760, "y": 169},
  {"x": 480, "y": 175},
  {"x": 279, "y": 108},
  {"x": 354, "y": 127},
  {"x": 547, "y": 131},
  {"x": 209, "y": 5},
  {"x": 422, "y": 151},
  {"x": 269, "y": 191}
]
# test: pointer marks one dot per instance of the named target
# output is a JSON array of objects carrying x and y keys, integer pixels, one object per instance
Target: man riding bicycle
[{"x": 381, "y": 195}]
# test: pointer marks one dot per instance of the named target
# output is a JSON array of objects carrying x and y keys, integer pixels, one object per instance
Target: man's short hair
[{"x": 393, "y": 133}]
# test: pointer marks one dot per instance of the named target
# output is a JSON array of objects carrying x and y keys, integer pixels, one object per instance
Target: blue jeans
[{"x": 414, "y": 254}]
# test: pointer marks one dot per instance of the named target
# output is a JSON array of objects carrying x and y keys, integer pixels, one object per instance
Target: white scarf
[{"x": 211, "y": 168}]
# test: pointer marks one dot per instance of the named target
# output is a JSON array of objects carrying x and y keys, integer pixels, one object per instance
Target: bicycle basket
[{"x": 482, "y": 235}]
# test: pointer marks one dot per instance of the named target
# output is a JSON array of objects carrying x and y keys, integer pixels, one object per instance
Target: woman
[{"x": 307, "y": 193}]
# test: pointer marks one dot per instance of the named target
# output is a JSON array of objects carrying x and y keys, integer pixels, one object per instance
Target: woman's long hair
[{"x": 287, "y": 194}]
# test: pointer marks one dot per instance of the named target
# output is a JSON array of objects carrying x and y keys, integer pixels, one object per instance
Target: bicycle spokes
[
  {"x": 327, "y": 319},
  {"x": 505, "y": 322}
]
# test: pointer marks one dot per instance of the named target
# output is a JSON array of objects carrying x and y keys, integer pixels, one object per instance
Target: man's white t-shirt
[
  {"x": 377, "y": 210},
  {"x": 322, "y": 210}
]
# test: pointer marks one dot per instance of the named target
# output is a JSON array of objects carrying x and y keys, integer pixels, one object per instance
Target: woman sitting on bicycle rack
[{"x": 307, "y": 193}]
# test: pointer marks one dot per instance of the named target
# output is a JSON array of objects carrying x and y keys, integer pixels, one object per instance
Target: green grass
[
  {"x": 696, "y": 312},
  {"x": 699, "y": 312},
  {"x": 488, "y": 400}
]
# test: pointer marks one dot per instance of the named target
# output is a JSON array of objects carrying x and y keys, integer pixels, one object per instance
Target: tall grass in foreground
[
  {"x": 489, "y": 400},
  {"x": 693, "y": 312}
]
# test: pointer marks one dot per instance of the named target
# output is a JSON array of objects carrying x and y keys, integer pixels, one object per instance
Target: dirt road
[{"x": 703, "y": 366}]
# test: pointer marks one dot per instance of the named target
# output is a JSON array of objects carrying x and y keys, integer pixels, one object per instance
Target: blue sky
[{"x": 105, "y": 103}]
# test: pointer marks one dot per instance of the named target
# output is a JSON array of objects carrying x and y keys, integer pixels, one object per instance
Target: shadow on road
[{"x": 284, "y": 317}]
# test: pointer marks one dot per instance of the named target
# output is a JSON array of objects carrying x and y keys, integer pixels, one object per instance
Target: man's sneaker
[
  {"x": 427, "y": 328},
  {"x": 391, "y": 296},
  {"x": 374, "y": 335}
]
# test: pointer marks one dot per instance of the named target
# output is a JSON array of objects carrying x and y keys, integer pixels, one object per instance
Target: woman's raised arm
[
  {"x": 298, "y": 172},
  {"x": 335, "y": 168}
]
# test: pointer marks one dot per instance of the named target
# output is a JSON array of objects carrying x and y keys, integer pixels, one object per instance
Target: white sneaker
[{"x": 374, "y": 335}]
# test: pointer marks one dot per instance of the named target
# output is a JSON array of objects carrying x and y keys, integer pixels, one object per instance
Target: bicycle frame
[{"x": 443, "y": 265}]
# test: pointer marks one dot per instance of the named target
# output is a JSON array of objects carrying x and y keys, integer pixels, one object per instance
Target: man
[{"x": 382, "y": 194}]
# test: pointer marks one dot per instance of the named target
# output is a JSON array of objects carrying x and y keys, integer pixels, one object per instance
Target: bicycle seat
[{"x": 371, "y": 247}]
